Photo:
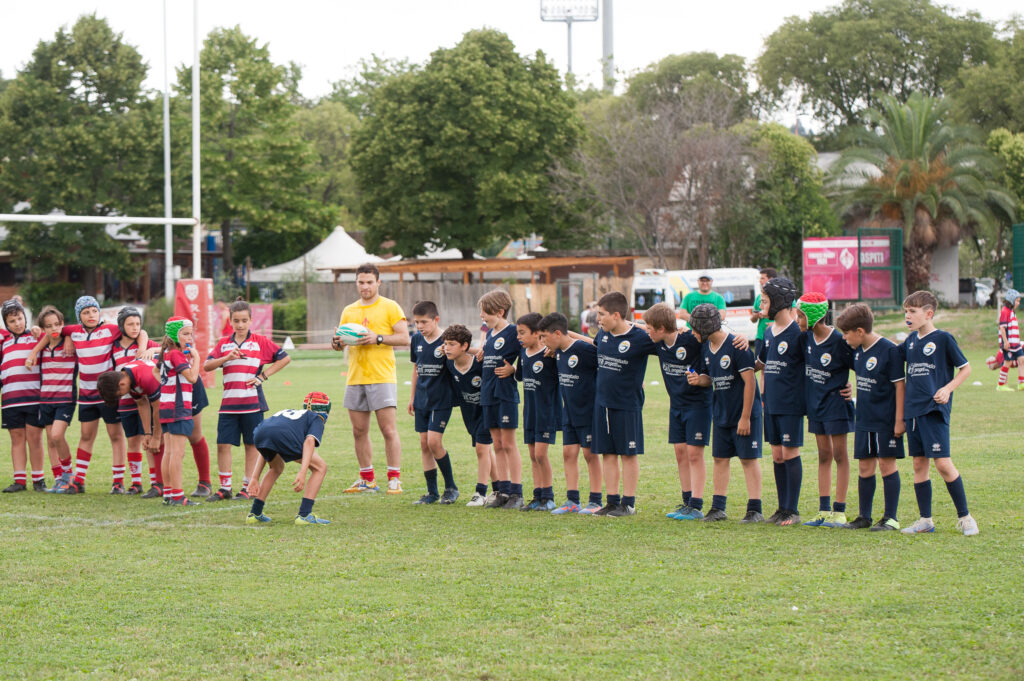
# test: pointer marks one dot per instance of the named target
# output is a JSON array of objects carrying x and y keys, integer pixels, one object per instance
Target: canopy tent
[{"x": 337, "y": 250}]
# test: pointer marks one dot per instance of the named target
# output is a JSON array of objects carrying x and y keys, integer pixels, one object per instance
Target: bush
[
  {"x": 157, "y": 312},
  {"x": 38, "y": 294},
  {"x": 290, "y": 317}
]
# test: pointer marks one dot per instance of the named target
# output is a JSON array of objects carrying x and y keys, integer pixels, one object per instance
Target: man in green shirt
[
  {"x": 756, "y": 316},
  {"x": 703, "y": 294}
]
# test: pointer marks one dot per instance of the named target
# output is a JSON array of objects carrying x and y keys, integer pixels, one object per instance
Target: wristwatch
[{"x": 380, "y": 339}]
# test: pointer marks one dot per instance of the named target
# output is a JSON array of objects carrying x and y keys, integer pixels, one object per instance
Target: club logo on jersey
[
  {"x": 783, "y": 346},
  {"x": 538, "y": 366},
  {"x": 476, "y": 382},
  {"x": 680, "y": 354},
  {"x": 928, "y": 349},
  {"x": 725, "y": 362},
  {"x": 623, "y": 347},
  {"x": 825, "y": 359},
  {"x": 871, "y": 363},
  {"x": 499, "y": 343},
  {"x": 573, "y": 361},
  {"x": 419, "y": 348},
  {"x": 438, "y": 351}
]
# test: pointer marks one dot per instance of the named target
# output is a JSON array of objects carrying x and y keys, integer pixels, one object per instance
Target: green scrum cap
[
  {"x": 814, "y": 305},
  {"x": 174, "y": 325}
]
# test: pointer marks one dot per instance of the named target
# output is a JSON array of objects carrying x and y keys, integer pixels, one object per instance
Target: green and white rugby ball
[{"x": 351, "y": 333}]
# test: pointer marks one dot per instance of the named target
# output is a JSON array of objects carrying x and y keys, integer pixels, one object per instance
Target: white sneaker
[
  {"x": 477, "y": 500},
  {"x": 394, "y": 486},
  {"x": 968, "y": 525},
  {"x": 920, "y": 525}
]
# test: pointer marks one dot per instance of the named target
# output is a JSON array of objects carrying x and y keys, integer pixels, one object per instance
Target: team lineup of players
[{"x": 589, "y": 390}]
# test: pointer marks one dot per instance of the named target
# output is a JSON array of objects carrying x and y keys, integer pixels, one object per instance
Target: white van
[
  {"x": 651, "y": 287},
  {"x": 738, "y": 285}
]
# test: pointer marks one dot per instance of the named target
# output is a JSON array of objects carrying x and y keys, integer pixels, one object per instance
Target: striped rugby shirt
[
  {"x": 93, "y": 349},
  {"x": 1008, "y": 320},
  {"x": 142, "y": 381},
  {"x": 123, "y": 356},
  {"x": 176, "y": 392},
  {"x": 20, "y": 384},
  {"x": 58, "y": 373},
  {"x": 238, "y": 398}
]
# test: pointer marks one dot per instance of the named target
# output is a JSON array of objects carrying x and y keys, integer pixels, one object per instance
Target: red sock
[
  {"x": 118, "y": 474},
  {"x": 1003, "y": 371},
  {"x": 157, "y": 461},
  {"x": 201, "y": 453},
  {"x": 394, "y": 473},
  {"x": 57, "y": 470},
  {"x": 82, "y": 459},
  {"x": 152, "y": 476},
  {"x": 135, "y": 467},
  {"x": 38, "y": 476},
  {"x": 20, "y": 477},
  {"x": 366, "y": 474},
  {"x": 65, "y": 466}
]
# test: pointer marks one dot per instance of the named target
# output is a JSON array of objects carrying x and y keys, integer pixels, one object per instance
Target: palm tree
[{"x": 913, "y": 169}]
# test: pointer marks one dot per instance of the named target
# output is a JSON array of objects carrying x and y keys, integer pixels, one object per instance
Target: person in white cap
[{"x": 703, "y": 294}]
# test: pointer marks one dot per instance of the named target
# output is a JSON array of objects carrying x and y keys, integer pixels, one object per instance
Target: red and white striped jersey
[
  {"x": 92, "y": 348},
  {"x": 238, "y": 398},
  {"x": 58, "y": 372},
  {"x": 20, "y": 385},
  {"x": 1008, "y": 321},
  {"x": 122, "y": 356},
  {"x": 176, "y": 392}
]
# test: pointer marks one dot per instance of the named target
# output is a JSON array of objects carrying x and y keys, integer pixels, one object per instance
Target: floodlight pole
[
  {"x": 568, "y": 32},
  {"x": 196, "y": 186},
  {"x": 607, "y": 51},
  {"x": 168, "y": 231}
]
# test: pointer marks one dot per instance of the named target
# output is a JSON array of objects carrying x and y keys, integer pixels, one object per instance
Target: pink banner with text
[{"x": 832, "y": 266}]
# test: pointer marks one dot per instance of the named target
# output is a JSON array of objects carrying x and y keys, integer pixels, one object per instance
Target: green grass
[{"x": 99, "y": 587}]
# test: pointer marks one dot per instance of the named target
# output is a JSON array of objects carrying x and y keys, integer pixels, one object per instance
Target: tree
[
  {"x": 915, "y": 170},
  {"x": 257, "y": 172},
  {"x": 992, "y": 95},
  {"x": 840, "y": 61},
  {"x": 458, "y": 153},
  {"x": 689, "y": 76},
  {"x": 992, "y": 245},
  {"x": 355, "y": 92},
  {"x": 328, "y": 128},
  {"x": 76, "y": 138}
]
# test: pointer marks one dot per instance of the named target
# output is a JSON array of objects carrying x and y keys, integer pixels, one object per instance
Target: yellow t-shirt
[{"x": 369, "y": 364}]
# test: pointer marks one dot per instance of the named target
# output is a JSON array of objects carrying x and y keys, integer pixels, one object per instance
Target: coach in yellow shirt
[{"x": 372, "y": 384}]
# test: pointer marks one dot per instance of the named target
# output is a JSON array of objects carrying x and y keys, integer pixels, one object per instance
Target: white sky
[{"x": 328, "y": 37}]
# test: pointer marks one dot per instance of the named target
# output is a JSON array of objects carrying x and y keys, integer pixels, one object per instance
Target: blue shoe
[
  {"x": 819, "y": 520},
  {"x": 534, "y": 505},
  {"x": 310, "y": 520},
  {"x": 567, "y": 507},
  {"x": 590, "y": 509},
  {"x": 676, "y": 511},
  {"x": 252, "y": 518},
  {"x": 689, "y": 513},
  {"x": 60, "y": 485},
  {"x": 547, "y": 505}
]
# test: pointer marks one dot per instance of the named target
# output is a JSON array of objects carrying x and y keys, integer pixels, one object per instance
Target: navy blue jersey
[
  {"x": 724, "y": 367},
  {"x": 467, "y": 384},
  {"x": 878, "y": 369},
  {"x": 783, "y": 360},
  {"x": 676, "y": 360},
  {"x": 577, "y": 377},
  {"x": 434, "y": 389},
  {"x": 286, "y": 431},
  {"x": 931, "y": 363},
  {"x": 500, "y": 346},
  {"x": 827, "y": 371},
  {"x": 621, "y": 366},
  {"x": 539, "y": 375}
]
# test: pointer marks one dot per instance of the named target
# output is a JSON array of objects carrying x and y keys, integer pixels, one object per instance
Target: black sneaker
[
  {"x": 75, "y": 488},
  {"x": 136, "y": 488},
  {"x": 14, "y": 487},
  {"x": 886, "y": 524},
  {"x": 789, "y": 520},
  {"x": 858, "y": 523},
  {"x": 450, "y": 495},
  {"x": 775, "y": 517},
  {"x": 499, "y": 500},
  {"x": 154, "y": 492},
  {"x": 426, "y": 499},
  {"x": 39, "y": 486},
  {"x": 223, "y": 494},
  {"x": 117, "y": 488},
  {"x": 621, "y": 510},
  {"x": 714, "y": 515},
  {"x": 243, "y": 495},
  {"x": 753, "y": 517},
  {"x": 202, "y": 489},
  {"x": 184, "y": 501},
  {"x": 532, "y": 506},
  {"x": 606, "y": 510},
  {"x": 514, "y": 502}
]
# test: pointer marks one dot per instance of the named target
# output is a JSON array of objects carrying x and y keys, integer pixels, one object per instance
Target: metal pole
[
  {"x": 196, "y": 186},
  {"x": 568, "y": 26},
  {"x": 606, "y": 46},
  {"x": 168, "y": 230},
  {"x": 92, "y": 219}
]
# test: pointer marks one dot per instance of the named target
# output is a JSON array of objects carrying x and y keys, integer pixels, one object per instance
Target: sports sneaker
[
  {"x": 202, "y": 490},
  {"x": 532, "y": 506},
  {"x": 477, "y": 501},
  {"x": 184, "y": 501},
  {"x": 394, "y": 486},
  {"x": 820, "y": 519},
  {"x": 497, "y": 500},
  {"x": 591, "y": 508},
  {"x": 885, "y": 524},
  {"x": 621, "y": 510},
  {"x": 136, "y": 488},
  {"x": 676, "y": 511},
  {"x": 449, "y": 496},
  {"x": 75, "y": 488},
  {"x": 117, "y": 488},
  {"x": 774, "y": 517},
  {"x": 154, "y": 492},
  {"x": 223, "y": 494},
  {"x": 243, "y": 495},
  {"x": 548, "y": 505},
  {"x": 920, "y": 525},
  {"x": 835, "y": 519},
  {"x": 968, "y": 525},
  {"x": 361, "y": 485},
  {"x": 14, "y": 487},
  {"x": 39, "y": 486},
  {"x": 789, "y": 519},
  {"x": 489, "y": 499},
  {"x": 689, "y": 513},
  {"x": 1004, "y": 389},
  {"x": 714, "y": 515},
  {"x": 311, "y": 520},
  {"x": 253, "y": 519},
  {"x": 60, "y": 484},
  {"x": 426, "y": 499},
  {"x": 753, "y": 517},
  {"x": 859, "y": 523},
  {"x": 514, "y": 502},
  {"x": 567, "y": 507},
  {"x": 605, "y": 510}
]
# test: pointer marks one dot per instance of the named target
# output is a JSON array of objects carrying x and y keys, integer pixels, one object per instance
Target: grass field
[{"x": 100, "y": 587}]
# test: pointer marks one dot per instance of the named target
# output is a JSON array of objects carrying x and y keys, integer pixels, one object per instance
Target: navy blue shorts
[
  {"x": 55, "y": 411},
  {"x": 618, "y": 431},
  {"x": 928, "y": 436},
  {"x": 179, "y": 428},
  {"x": 501, "y": 415},
  {"x": 131, "y": 422},
  {"x": 785, "y": 430},
  {"x": 473, "y": 419},
  {"x": 87, "y": 413},
  {"x": 692, "y": 426},
  {"x": 534, "y": 435},
  {"x": 578, "y": 435},
  {"x": 20, "y": 416},
  {"x": 1010, "y": 355},
  {"x": 234, "y": 429},
  {"x": 726, "y": 443},
  {"x": 199, "y": 399},
  {"x": 867, "y": 445},
  {"x": 840, "y": 427},
  {"x": 435, "y": 420}
]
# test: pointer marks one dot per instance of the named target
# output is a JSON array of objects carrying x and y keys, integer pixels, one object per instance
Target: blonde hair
[
  {"x": 495, "y": 302},
  {"x": 661, "y": 316}
]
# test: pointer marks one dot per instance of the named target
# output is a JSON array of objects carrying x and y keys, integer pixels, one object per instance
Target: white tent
[{"x": 337, "y": 250}]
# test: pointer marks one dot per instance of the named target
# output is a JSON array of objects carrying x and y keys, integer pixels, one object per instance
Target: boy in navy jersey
[
  {"x": 499, "y": 396},
  {"x": 782, "y": 360},
  {"x": 291, "y": 435},
  {"x": 827, "y": 362},
  {"x": 541, "y": 409},
  {"x": 577, "y": 373},
  {"x": 689, "y": 417},
  {"x": 878, "y": 366},
  {"x": 931, "y": 356},
  {"x": 465, "y": 370},
  {"x": 431, "y": 400},
  {"x": 735, "y": 409}
]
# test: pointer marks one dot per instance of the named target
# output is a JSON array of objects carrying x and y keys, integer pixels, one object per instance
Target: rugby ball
[{"x": 351, "y": 333}]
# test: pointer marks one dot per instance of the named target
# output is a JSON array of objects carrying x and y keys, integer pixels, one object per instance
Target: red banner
[
  {"x": 193, "y": 299},
  {"x": 832, "y": 266}
]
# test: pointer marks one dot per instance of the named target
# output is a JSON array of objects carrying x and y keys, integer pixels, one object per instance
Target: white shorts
[{"x": 371, "y": 396}]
